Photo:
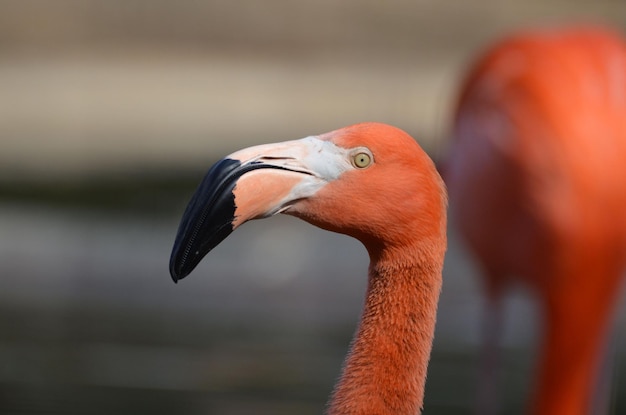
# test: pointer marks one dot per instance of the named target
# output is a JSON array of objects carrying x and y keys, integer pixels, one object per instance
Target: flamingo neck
[{"x": 385, "y": 371}]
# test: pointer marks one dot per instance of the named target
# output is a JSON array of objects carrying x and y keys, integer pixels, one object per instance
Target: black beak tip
[
  {"x": 173, "y": 272},
  {"x": 177, "y": 271},
  {"x": 208, "y": 218}
]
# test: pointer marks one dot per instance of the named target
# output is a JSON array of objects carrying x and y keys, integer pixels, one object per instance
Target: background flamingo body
[{"x": 537, "y": 180}]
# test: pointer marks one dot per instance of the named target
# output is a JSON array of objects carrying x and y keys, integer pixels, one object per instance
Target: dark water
[{"x": 90, "y": 322}]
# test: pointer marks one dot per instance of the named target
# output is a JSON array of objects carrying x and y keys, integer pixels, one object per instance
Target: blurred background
[{"x": 110, "y": 113}]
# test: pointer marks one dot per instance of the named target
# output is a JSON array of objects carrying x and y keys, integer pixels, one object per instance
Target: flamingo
[
  {"x": 536, "y": 172},
  {"x": 370, "y": 181}
]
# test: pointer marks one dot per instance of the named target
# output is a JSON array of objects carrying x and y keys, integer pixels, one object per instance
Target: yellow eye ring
[{"x": 362, "y": 160}]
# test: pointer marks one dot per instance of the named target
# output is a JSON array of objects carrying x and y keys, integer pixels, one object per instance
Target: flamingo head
[{"x": 370, "y": 181}]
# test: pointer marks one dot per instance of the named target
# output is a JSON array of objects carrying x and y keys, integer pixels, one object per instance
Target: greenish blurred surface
[{"x": 91, "y": 323}]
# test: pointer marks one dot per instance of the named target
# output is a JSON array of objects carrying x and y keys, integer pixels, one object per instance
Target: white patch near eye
[
  {"x": 328, "y": 160},
  {"x": 321, "y": 158}
]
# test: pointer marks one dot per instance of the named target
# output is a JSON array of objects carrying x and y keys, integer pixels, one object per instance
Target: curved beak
[{"x": 253, "y": 183}]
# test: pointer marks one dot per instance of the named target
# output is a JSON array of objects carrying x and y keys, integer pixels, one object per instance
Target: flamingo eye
[{"x": 361, "y": 160}]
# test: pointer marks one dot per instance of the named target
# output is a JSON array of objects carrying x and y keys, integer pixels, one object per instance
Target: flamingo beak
[{"x": 253, "y": 183}]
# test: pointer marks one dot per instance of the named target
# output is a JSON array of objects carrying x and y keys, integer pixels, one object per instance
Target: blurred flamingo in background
[
  {"x": 370, "y": 181},
  {"x": 537, "y": 180}
]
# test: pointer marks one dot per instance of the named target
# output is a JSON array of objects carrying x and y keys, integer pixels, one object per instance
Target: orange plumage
[
  {"x": 370, "y": 181},
  {"x": 537, "y": 180}
]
